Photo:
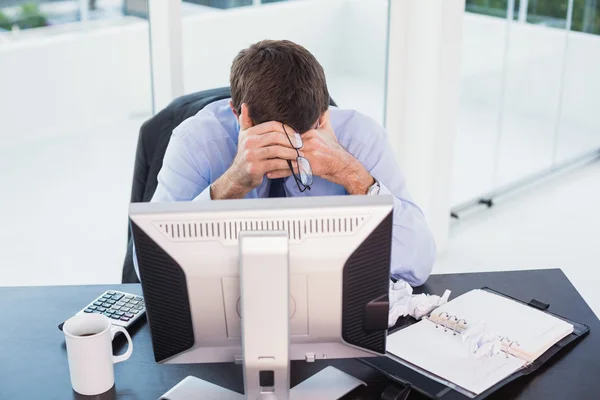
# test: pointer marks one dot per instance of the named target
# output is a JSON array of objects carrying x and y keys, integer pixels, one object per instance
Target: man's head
[{"x": 279, "y": 81}]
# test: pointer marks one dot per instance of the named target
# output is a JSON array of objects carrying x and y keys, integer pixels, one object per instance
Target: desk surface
[{"x": 33, "y": 361}]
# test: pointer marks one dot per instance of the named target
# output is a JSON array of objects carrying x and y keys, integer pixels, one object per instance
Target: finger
[
  {"x": 266, "y": 127},
  {"x": 244, "y": 118},
  {"x": 280, "y": 173},
  {"x": 276, "y": 164},
  {"x": 278, "y": 138},
  {"x": 284, "y": 153}
]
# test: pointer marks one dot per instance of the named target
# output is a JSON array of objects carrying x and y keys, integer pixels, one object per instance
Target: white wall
[
  {"x": 363, "y": 38},
  {"x": 72, "y": 81},
  {"x": 424, "y": 67},
  {"x": 212, "y": 41}
]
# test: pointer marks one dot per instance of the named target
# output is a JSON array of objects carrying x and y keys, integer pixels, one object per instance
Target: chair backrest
[
  {"x": 155, "y": 135},
  {"x": 152, "y": 144}
]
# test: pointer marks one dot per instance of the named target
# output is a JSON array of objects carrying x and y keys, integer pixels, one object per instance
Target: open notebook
[{"x": 527, "y": 334}]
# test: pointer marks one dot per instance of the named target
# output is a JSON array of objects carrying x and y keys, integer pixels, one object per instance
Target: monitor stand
[{"x": 264, "y": 276}]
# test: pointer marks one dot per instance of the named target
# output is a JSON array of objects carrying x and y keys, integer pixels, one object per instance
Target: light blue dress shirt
[{"x": 203, "y": 147}]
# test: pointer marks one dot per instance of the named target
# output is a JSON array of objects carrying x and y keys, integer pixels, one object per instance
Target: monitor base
[{"x": 328, "y": 384}]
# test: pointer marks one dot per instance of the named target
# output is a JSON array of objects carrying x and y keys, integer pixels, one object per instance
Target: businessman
[{"x": 277, "y": 136}]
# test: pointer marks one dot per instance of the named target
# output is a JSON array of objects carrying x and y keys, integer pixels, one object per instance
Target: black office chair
[{"x": 152, "y": 144}]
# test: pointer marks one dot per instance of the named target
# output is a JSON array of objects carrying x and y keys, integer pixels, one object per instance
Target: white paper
[
  {"x": 533, "y": 330},
  {"x": 403, "y": 302},
  {"x": 480, "y": 341},
  {"x": 443, "y": 354}
]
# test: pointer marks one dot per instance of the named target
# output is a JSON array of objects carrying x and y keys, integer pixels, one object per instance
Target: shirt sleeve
[
  {"x": 180, "y": 178},
  {"x": 413, "y": 247},
  {"x": 205, "y": 195}
]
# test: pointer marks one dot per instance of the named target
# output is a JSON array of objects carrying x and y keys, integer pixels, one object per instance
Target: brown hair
[{"x": 279, "y": 81}]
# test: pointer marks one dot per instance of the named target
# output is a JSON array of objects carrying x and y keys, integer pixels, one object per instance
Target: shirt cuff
[
  {"x": 383, "y": 190},
  {"x": 205, "y": 195}
]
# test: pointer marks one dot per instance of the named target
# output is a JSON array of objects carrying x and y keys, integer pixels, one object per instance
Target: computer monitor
[{"x": 309, "y": 275}]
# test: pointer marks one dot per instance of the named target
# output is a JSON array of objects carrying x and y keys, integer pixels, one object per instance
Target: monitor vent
[
  {"x": 229, "y": 230},
  {"x": 366, "y": 278},
  {"x": 166, "y": 295}
]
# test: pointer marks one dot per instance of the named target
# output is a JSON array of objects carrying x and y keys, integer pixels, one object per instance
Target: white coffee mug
[{"x": 89, "y": 350}]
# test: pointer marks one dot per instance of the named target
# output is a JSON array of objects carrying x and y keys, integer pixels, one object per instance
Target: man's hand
[
  {"x": 329, "y": 160},
  {"x": 262, "y": 149}
]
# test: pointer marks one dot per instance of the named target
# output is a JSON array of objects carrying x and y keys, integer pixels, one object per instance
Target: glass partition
[
  {"x": 480, "y": 98},
  {"x": 532, "y": 88},
  {"x": 579, "y": 127},
  {"x": 528, "y": 91},
  {"x": 544, "y": 12},
  {"x": 348, "y": 37},
  {"x": 75, "y": 88},
  {"x": 586, "y": 16}
]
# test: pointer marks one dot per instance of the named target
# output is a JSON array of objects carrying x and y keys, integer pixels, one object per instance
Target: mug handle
[{"x": 117, "y": 359}]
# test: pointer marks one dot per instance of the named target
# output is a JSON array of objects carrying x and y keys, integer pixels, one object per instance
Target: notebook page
[
  {"x": 535, "y": 331},
  {"x": 444, "y": 354}
]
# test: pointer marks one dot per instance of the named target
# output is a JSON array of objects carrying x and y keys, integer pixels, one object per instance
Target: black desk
[{"x": 33, "y": 363}]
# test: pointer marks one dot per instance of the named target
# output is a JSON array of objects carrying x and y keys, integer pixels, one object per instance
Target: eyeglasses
[{"x": 302, "y": 174}]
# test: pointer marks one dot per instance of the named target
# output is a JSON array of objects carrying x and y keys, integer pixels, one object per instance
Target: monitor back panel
[{"x": 189, "y": 267}]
